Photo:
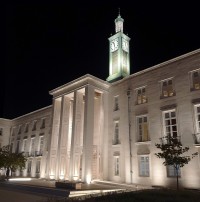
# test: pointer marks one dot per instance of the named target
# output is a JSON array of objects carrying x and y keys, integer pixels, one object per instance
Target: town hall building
[{"x": 107, "y": 130}]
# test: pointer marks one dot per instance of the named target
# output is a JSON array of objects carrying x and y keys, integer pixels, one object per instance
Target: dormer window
[
  {"x": 167, "y": 88},
  {"x": 34, "y": 125},
  {"x": 141, "y": 95},
  {"x": 195, "y": 79}
]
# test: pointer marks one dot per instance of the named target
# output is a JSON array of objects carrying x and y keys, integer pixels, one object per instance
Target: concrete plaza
[{"x": 16, "y": 191}]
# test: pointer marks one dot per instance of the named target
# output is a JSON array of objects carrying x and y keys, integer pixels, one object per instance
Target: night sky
[{"x": 48, "y": 44}]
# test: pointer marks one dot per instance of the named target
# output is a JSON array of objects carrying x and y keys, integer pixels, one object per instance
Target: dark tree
[
  {"x": 11, "y": 161},
  {"x": 172, "y": 151}
]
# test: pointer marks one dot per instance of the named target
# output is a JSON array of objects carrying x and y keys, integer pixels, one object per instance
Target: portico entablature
[{"x": 80, "y": 83}]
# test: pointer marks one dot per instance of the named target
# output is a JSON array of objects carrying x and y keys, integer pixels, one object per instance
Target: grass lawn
[{"x": 161, "y": 195}]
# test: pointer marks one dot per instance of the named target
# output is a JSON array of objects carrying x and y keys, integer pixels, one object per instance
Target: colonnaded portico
[{"x": 76, "y": 148}]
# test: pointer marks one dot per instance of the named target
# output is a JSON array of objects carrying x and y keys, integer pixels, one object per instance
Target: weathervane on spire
[{"x": 119, "y": 12}]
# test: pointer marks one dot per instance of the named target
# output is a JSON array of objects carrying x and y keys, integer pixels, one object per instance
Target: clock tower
[{"x": 119, "y": 58}]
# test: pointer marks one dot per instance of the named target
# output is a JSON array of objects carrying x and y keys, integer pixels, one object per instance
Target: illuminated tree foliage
[
  {"x": 11, "y": 161},
  {"x": 172, "y": 151}
]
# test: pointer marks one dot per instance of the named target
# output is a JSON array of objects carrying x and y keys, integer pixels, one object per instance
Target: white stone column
[
  {"x": 97, "y": 137},
  {"x": 54, "y": 137},
  {"x": 73, "y": 138},
  {"x": 88, "y": 134},
  {"x": 63, "y": 140},
  {"x": 76, "y": 135}
]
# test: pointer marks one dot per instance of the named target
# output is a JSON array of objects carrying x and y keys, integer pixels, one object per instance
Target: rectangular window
[
  {"x": 170, "y": 123},
  {"x": 20, "y": 130},
  {"x": 195, "y": 79},
  {"x": 116, "y": 133},
  {"x": 41, "y": 144},
  {"x": 171, "y": 171},
  {"x": 29, "y": 165},
  {"x": 197, "y": 113},
  {"x": 142, "y": 129},
  {"x": 13, "y": 131},
  {"x": 24, "y": 145},
  {"x": 116, "y": 165},
  {"x": 1, "y": 131},
  {"x": 26, "y": 128},
  {"x": 38, "y": 166},
  {"x": 17, "y": 147},
  {"x": 42, "y": 124},
  {"x": 144, "y": 166},
  {"x": 32, "y": 146},
  {"x": 116, "y": 103},
  {"x": 141, "y": 95},
  {"x": 167, "y": 89},
  {"x": 197, "y": 124},
  {"x": 34, "y": 125}
]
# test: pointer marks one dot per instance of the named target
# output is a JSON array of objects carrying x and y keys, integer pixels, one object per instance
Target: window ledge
[
  {"x": 142, "y": 143},
  {"x": 163, "y": 97},
  {"x": 145, "y": 176},
  {"x": 116, "y": 145},
  {"x": 197, "y": 144},
  {"x": 138, "y": 104}
]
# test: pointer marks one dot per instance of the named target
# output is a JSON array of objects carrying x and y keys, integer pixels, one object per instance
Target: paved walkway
[
  {"x": 96, "y": 184},
  {"x": 47, "y": 188}
]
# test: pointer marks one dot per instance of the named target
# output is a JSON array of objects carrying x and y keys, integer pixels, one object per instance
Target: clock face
[
  {"x": 114, "y": 45},
  {"x": 124, "y": 45}
]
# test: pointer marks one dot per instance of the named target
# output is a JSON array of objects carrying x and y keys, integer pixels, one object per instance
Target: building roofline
[
  {"x": 169, "y": 61},
  {"x": 38, "y": 110},
  {"x": 3, "y": 119},
  {"x": 160, "y": 65},
  {"x": 86, "y": 76}
]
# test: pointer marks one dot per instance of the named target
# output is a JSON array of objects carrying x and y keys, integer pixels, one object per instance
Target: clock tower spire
[
  {"x": 119, "y": 62},
  {"x": 119, "y": 23}
]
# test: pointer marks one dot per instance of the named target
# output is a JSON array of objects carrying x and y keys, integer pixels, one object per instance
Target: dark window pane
[
  {"x": 170, "y": 82},
  {"x": 164, "y": 83},
  {"x": 173, "y": 121},
  {"x": 166, "y": 115},
  {"x": 173, "y": 114},
  {"x": 167, "y": 122},
  {"x": 174, "y": 128},
  {"x": 140, "y": 120},
  {"x": 195, "y": 74},
  {"x": 168, "y": 129}
]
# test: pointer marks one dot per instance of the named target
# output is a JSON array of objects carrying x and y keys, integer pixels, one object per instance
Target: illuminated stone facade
[{"x": 100, "y": 130}]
